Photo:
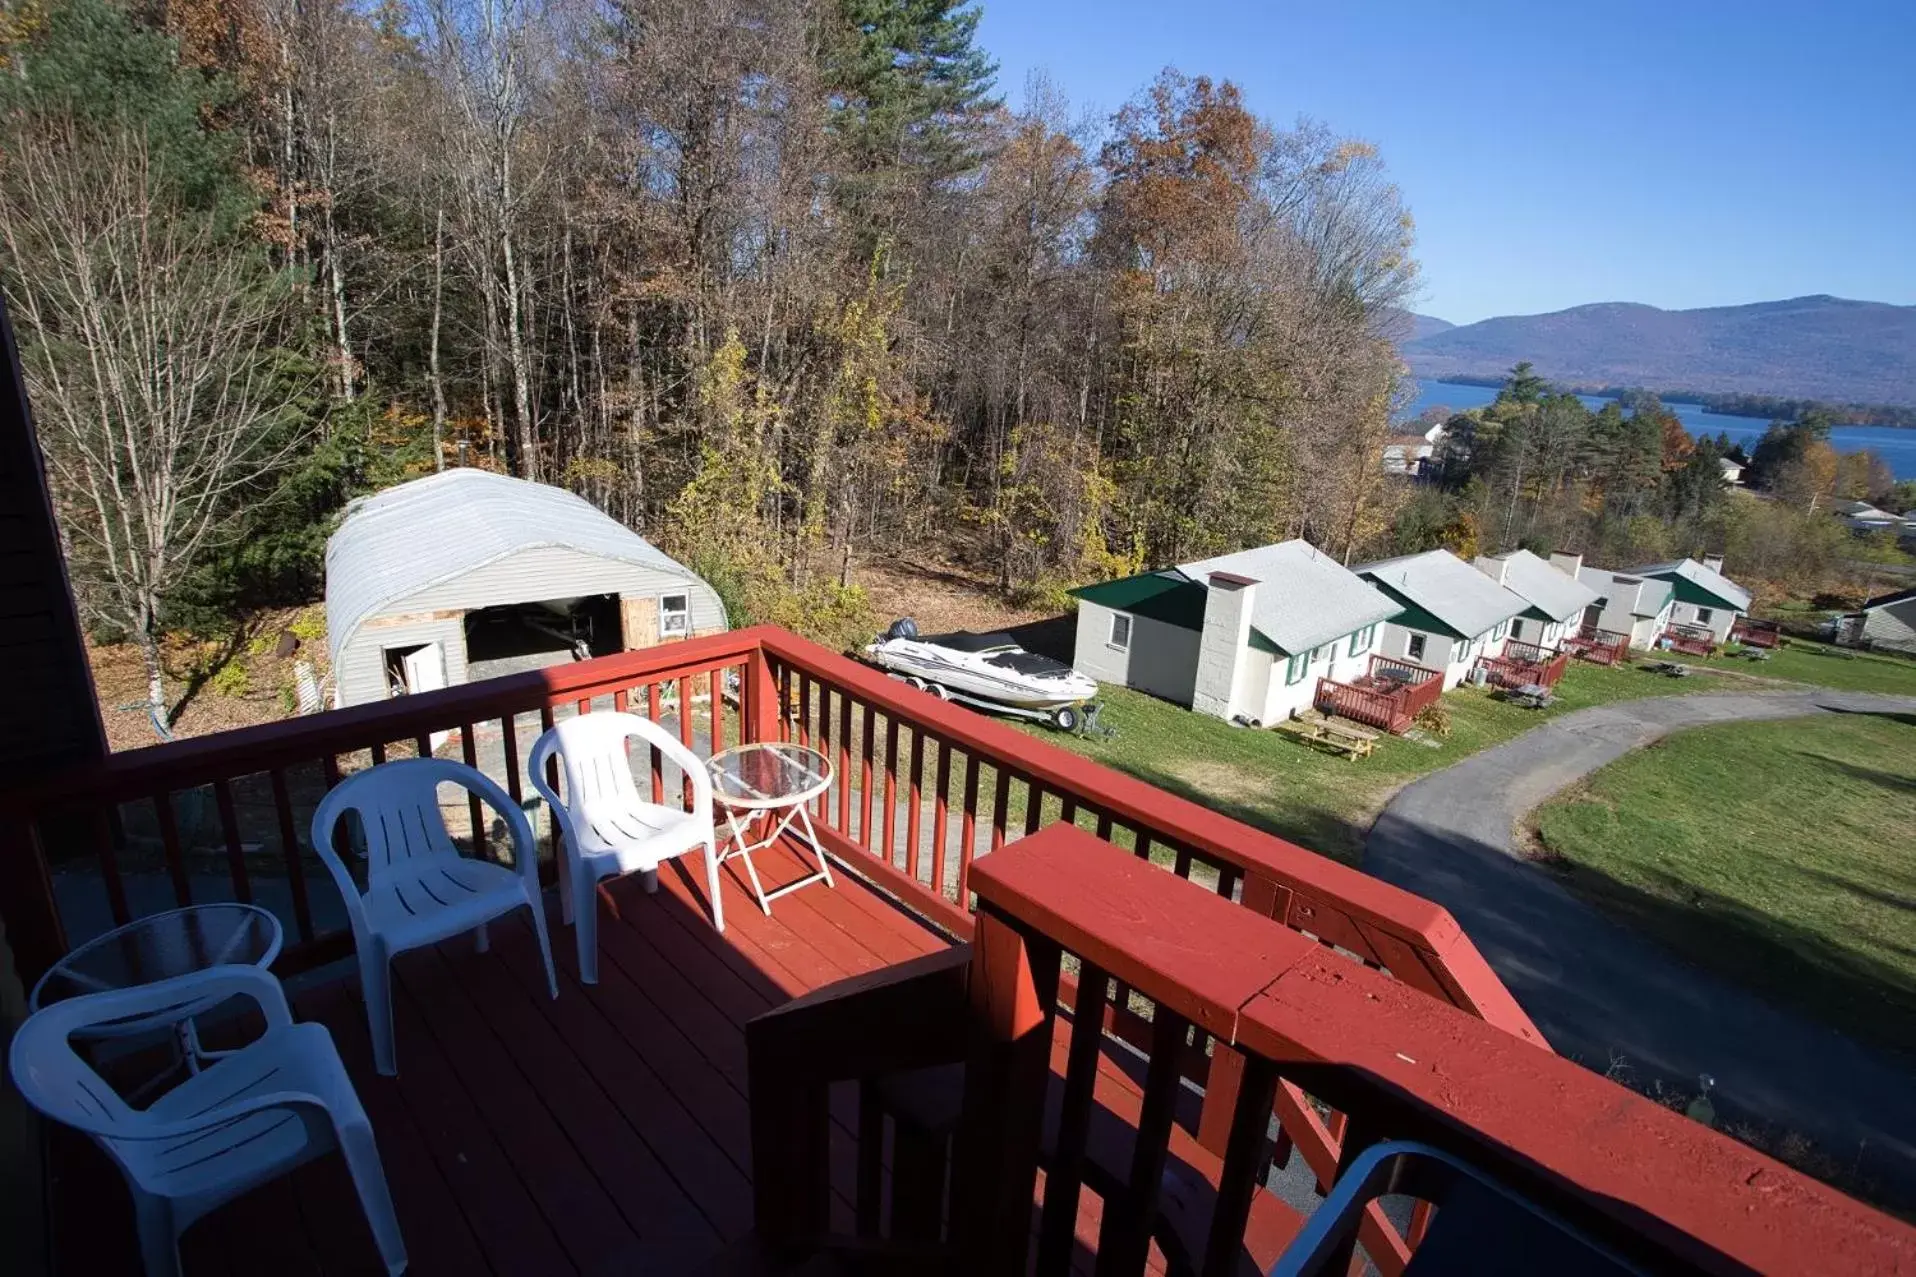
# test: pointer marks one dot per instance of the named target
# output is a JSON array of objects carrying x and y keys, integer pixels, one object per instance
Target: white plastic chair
[
  {"x": 609, "y": 829},
  {"x": 273, "y": 1105},
  {"x": 419, "y": 889}
]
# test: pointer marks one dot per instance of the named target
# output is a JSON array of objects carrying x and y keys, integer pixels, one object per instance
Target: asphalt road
[{"x": 1617, "y": 1001}]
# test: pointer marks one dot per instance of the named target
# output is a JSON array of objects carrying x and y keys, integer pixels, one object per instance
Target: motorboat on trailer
[{"x": 989, "y": 671}]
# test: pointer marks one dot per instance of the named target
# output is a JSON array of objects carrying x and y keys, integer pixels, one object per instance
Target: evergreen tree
[{"x": 910, "y": 90}]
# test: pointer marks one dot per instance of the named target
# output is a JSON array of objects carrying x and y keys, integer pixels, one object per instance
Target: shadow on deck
[{"x": 606, "y": 1131}]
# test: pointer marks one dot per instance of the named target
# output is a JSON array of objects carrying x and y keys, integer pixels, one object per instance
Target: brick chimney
[
  {"x": 1222, "y": 645},
  {"x": 1625, "y": 591},
  {"x": 1495, "y": 568},
  {"x": 1568, "y": 564}
]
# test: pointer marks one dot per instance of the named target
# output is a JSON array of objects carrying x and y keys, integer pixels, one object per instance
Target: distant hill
[
  {"x": 1808, "y": 347},
  {"x": 1422, "y": 326}
]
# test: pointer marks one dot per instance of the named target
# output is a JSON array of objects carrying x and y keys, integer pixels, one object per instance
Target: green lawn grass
[
  {"x": 1803, "y": 661},
  {"x": 1319, "y": 800},
  {"x": 1781, "y": 854}
]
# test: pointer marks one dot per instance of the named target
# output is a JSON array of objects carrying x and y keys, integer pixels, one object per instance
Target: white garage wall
[{"x": 1161, "y": 659}]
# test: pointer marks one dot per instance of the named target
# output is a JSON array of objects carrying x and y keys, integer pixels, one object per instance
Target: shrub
[
  {"x": 230, "y": 679},
  {"x": 1435, "y": 719}
]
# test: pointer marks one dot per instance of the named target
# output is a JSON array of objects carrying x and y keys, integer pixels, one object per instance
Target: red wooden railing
[
  {"x": 1389, "y": 696},
  {"x": 1751, "y": 632},
  {"x": 1599, "y": 647},
  {"x": 1289, "y": 1020},
  {"x": 924, "y": 788},
  {"x": 1382, "y": 710},
  {"x": 217, "y": 815},
  {"x": 1689, "y": 640},
  {"x": 1522, "y": 664}
]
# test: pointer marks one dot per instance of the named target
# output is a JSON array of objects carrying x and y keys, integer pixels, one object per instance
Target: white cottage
[
  {"x": 1887, "y": 622},
  {"x": 1240, "y": 635},
  {"x": 1702, "y": 597},
  {"x": 1557, "y": 599},
  {"x": 1637, "y": 606},
  {"x": 465, "y": 574},
  {"x": 1450, "y": 613}
]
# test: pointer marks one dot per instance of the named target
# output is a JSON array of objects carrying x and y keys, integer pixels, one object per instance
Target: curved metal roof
[{"x": 400, "y": 541}]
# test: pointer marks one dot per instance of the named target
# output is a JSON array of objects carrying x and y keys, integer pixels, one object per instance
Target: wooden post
[
  {"x": 1013, "y": 993},
  {"x": 791, "y": 1168},
  {"x": 760, "y": 710},
  {"x": 32, "y": 920}
]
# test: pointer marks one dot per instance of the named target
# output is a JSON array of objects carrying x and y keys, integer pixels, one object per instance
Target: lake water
[{"x": 1896, "y": 447}]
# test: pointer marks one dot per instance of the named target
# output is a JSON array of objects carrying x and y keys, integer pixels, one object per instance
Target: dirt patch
[
  {"x": 241, "y": 682},
  {"x": 1223, "y": 781},
  {"x": 939, "y": 596}
]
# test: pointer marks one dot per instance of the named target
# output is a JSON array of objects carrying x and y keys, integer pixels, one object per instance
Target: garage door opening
[{"x": 530, "y": 636}]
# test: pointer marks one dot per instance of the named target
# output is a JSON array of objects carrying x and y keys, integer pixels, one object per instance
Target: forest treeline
[
  {"x": 1739, "y": 404},
  {"x": 1626, "y": 484},
  {"x": 781, "y": 283}
]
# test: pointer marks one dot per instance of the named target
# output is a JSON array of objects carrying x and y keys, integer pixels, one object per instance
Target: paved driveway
[{"x": 1607, "y": 996}]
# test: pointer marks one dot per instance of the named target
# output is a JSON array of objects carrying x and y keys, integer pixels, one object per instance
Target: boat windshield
[{"x": 1019, "y": 661}]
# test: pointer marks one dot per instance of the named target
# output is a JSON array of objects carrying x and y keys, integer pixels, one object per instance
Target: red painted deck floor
[{"x": 604, "y": 1132}]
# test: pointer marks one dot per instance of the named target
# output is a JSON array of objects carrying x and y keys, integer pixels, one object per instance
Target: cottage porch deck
[{"x": 606, "y": 1131}]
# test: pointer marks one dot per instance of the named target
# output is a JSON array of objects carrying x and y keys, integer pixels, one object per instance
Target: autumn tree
[{"x": 153, "y": 330}]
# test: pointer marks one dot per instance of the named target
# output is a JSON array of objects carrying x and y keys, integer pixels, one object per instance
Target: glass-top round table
[
  {"x": 773, "y": 783},
  {"x": 159, "y": 947}
]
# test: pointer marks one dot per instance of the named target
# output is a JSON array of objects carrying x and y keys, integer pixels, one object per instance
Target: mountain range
[{"x": 1827, "y": 348}]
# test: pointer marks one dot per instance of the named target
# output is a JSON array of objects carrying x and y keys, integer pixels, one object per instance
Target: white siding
[
  {"x": 553, "y": 572},
  {"x": 1721, "y": 619},
  {"x": 1545, "y": 634},
  {"x": 1891, "y": 625},
  {"x": 1438, "y": 651},
  {"x": 1334, "y": 662},
  {"x": 529, "y": 576},
  {"x": 360, "y": 675},
  {"x": 1161, "y": 659}
]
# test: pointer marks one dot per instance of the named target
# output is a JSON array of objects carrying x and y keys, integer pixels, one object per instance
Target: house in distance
[{"x": 1244, "y": 635}]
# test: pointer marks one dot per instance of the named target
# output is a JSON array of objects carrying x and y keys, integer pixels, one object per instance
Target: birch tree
[{"x": 152, "y": 356}]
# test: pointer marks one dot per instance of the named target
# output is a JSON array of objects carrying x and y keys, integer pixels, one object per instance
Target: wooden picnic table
[
  {"x": 1530, "y": 696},
  {"x": 1348, "y": 739},
  {"x": 1675, "y": 669}
]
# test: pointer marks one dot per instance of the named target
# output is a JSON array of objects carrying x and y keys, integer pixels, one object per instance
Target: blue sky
[{"x": 1556, "y": 152}]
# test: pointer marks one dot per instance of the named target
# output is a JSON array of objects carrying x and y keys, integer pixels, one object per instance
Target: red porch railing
[
  {"x": 1288, "y": 1020},
  {"x": 1689, "y": 640},
  {"x": 1389, "y": 695},
  {"x": 1523, "y": 664},
  {"x": 925, "y": 788},
  {"x": 1599, "y": 647},
  {"x": 1751, "y": 632}
]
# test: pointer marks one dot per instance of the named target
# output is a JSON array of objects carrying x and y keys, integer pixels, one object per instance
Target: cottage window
[
  {"x": 1300, "y": 666},
  {"x": 675, "y": 615},
  {"x": 1497, "y": 633},
  {"x": 1516, "y": 628},
  {"x": 1361, "y": 641},
  {"x": 1414, "y": 649},
  {"x": 1120, "y": 631},
  {"x": 1703, "y": 615}
]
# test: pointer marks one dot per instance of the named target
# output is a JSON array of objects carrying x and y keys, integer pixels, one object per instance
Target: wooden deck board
[{"x": 606, "y": 1131}]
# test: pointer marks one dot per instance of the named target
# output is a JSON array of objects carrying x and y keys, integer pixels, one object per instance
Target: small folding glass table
[{"x": 769, "y": 784}]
